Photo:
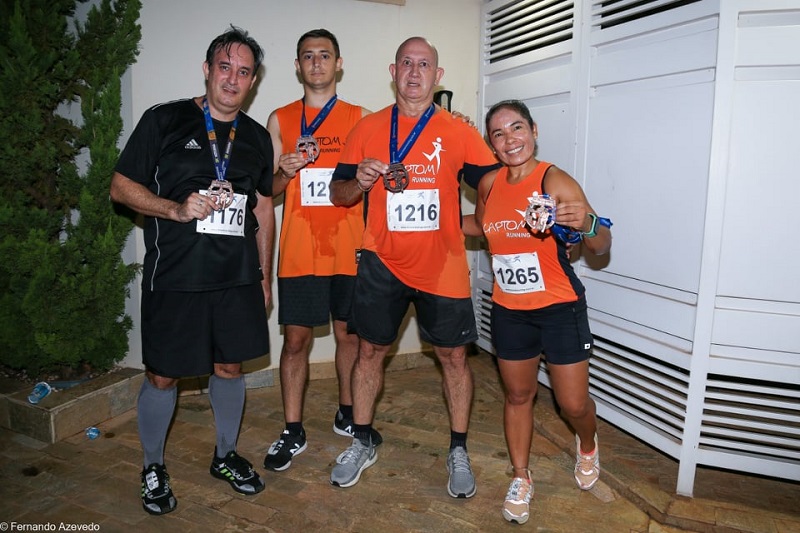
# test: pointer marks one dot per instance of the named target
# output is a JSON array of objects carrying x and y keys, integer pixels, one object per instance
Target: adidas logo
[{"x": 192, "y": 145}]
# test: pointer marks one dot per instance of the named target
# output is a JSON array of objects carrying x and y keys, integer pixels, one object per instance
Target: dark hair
[
  {"x": 235, "y": 36},
  {"x": 320, "y": 33},
  {"x": 513, "y": 105}
]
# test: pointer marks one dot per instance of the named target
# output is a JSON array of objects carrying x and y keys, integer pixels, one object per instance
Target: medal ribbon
[
  {"x": 308, "y": 131},
  {"x": 220, "y": 164},
  {"x": 398, "y": 156}
]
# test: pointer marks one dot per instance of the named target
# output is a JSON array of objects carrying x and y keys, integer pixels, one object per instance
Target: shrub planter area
[{"x": 63, "y": 413}]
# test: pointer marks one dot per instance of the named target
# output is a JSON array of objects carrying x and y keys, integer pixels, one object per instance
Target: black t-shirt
[{"x": 169, "y": 153}]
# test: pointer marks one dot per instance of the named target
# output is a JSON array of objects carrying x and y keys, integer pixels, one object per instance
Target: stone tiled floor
[{"x": 78, "y": 481}]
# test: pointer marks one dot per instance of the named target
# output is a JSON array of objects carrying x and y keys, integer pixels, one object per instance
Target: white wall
[{"x": 176, "y": 34}]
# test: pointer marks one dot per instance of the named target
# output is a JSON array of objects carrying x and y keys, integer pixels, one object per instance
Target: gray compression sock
[
  {"x": 155, "y": 408},
  {"x": 227, "y": 401}
]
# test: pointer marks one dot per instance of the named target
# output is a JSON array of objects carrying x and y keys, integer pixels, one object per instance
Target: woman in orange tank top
[{"x": 538, "y": 301}]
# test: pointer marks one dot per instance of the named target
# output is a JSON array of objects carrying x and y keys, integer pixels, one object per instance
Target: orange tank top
[
  {"x": 417, "y": 233},
  {"x": 316, "y": 237},
  {"x": 531, "y": 270}
]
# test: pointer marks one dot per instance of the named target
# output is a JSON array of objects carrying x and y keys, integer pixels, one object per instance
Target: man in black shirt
[{"x": 209, "y": 223}]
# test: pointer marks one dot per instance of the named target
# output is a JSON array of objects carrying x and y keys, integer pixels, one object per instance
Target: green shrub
[{"x": 63, "y": 282}]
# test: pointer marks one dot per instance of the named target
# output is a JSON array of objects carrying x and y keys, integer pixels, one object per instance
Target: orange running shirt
[
  {"x": 531, "y": 271},
  {"x": 318, "y": 239},
  {"x": 417, "y": 233}
]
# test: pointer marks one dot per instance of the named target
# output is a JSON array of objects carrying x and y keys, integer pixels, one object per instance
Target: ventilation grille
[
  {"x": 641, "y": 386},
  {"x": 527, "y": 25},
  {"x": 610, "y": 13},
  {"x": 482, "y": 299},
  {"x": 759, "y": 418}
]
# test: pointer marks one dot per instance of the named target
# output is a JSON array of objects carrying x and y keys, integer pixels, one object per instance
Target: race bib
[
  {"x": 413, "y": 210},
  {"x": 315, "y": 186},
  {"x": 518, "y": 273},
  {"x": 229, "y": 221}
]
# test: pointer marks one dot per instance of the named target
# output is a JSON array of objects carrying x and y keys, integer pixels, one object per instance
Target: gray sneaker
[
  {"x": 461, "y": 483},
  {"x": 351, "y": 462}
]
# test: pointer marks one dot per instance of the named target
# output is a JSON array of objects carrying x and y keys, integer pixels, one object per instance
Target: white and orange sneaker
[
  {"x": 516, "y": 508},
  {"x": 587, "y": 466}
]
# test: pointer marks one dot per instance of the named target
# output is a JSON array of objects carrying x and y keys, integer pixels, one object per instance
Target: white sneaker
[{"x": 587, "y": 466}]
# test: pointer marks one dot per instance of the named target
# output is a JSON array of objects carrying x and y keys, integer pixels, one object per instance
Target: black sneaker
[
  {"x": 280, "y": 453},
  {"x": 157, "y": 497},
  {"x": 344, "y": 427},
  {"x": 237, "y": 471}
]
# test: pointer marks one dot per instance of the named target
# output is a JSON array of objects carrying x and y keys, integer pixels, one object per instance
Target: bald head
[{"x": 415, "y": 40}]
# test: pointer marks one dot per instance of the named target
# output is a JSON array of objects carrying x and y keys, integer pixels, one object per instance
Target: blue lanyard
[
  {"x": 307, "y": 131},
  {"x": 220, "y": 164},
  {"x": 394, "y": 155}
]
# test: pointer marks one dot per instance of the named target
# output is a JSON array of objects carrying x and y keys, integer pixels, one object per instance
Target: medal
[
  {"x": 541, "y": 212},
  {"x": 220, "y": 189},
  {"x": 306, "y": 145},
  {"x": 396, "y": 178}
]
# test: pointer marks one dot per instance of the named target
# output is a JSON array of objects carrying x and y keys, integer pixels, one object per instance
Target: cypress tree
[{"x": 63, "y": 282}]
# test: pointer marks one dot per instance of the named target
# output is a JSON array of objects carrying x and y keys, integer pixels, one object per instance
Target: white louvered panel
[
  {"x": 620, "y": 396},
  {"x": 781, "y": 450},
  {"x": 523, "y": 43},
  {"x": 535, "y": 16},
  {"x": 529, "y": 29},
  {"x": 643, "y": 417},
  {"x": 767, "y": 389},
  {"x": 644, "y": 363},
  {"x": 482, "y": 300},
  {"x": 757, "y": 418},
  {"x": 770, "y": 432},
  {"x": 775, "y": 399},
  {"x": 748, "y": 462},
  {"x": 740, "y": 398},
  {"x": 527, "y": 25},
  {"x": 651, "y": 391},
  {"x": 607, "y": 13},
  {"x": 742, "y": 412}
]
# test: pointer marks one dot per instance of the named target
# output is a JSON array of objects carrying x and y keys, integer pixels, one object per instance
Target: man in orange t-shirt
[
  {"x": 407, "y": 159},
  {"x": 318, "y": 241}
]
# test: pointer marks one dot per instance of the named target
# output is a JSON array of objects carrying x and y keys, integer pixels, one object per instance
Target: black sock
[
  {"x": 363, "y": 433},
  {"x": 458, "y": 439},
  {"x": 294, "y": 428},
  {"x": 346, "y": 410}
]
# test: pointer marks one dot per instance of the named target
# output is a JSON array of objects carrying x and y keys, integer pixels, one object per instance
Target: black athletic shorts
[
  {"x": 560, "y": 331},
  {"x": 312, "y": 300},
  {"x": 185, "y": 333},
  {"x": 381, "y": 302}
]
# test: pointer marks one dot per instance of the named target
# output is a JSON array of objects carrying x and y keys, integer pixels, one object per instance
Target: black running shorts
[
  {"x": 312, "y": 300},
  {"x": 185, "y": 333},
  {"x": 381, "y": 302},
  {"x": 560, "y": 331}
]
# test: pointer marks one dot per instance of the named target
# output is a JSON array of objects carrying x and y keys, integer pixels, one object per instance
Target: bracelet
[{"x": 362, "y": 189}]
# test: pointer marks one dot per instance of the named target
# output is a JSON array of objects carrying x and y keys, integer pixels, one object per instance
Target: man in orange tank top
[{"x": 318, "y": 241}]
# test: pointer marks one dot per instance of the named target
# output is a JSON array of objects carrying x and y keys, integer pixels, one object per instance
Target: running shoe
[
  {"x": 280, "y": 453},
  {"x": 237, "y": 471},
  {"x": 157, "y": 497},
  {"x": 351, "y": 462},
  {"x": 516, "y": 508},
  {"x": 587, "y": 466},
  {"x": 462, "y": 482}
]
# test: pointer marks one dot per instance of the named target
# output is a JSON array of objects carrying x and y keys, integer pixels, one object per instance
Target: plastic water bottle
[
  {"x": 92, "y": 433},
  {"x": 40, "y": 390}
]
